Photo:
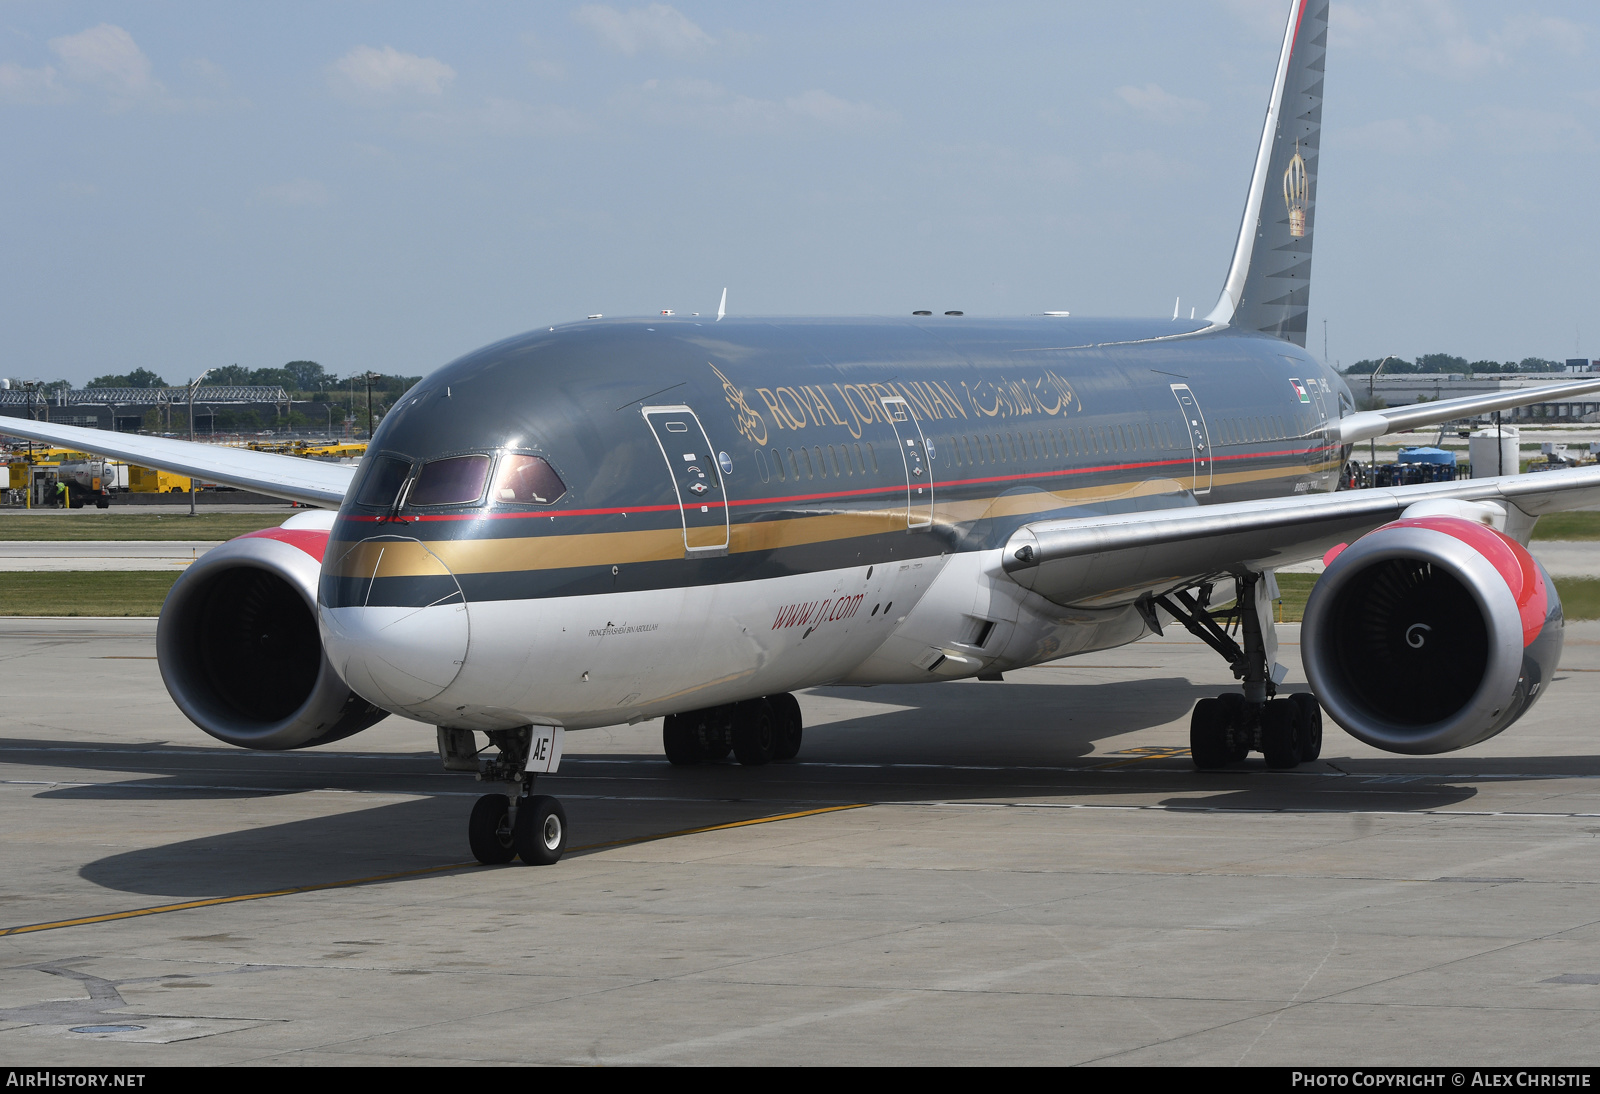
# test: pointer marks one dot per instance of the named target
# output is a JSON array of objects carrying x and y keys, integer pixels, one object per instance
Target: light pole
[
  {"x": 1372, "y": 451},
  {"x": 194, "y": 386},
  {"x": 369, "y": 377}
]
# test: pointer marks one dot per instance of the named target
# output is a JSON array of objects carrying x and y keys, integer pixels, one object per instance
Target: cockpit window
[
  {"x": 526, "y": 480},
  {"x": 383, "y": 481},
  {"x": 457, "y": 480}
]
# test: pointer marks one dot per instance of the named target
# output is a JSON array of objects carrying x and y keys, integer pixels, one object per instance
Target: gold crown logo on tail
[{"x": 1295, "y": 192}]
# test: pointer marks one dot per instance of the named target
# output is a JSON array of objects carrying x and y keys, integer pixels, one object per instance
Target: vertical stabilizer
[{"x": 1269, "y": 283}]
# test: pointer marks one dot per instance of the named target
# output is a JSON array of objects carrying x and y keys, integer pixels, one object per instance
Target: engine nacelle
[
  {"x": 239, "y": 648},
  {"x": 1431, "y": 634}
]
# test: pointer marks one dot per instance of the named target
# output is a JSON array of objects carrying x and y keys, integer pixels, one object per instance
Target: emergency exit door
[
  {"x": 919, "y": 468},
  {"x": 1194, "y": 423},
  {"x": 696, "y": 478}
]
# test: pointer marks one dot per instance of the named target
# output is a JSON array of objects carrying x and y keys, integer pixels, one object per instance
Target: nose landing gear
[
  {"x": 1224, "y": 730},
  {"x": 532, "y": 827}
]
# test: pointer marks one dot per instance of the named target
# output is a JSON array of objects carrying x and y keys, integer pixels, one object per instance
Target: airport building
[{"x": 1430, "y": 387}]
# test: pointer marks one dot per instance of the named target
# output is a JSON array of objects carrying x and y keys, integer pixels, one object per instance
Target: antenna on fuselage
[
  {"x": 1175, "y": 300},
  {"x": 722, "y": 308}
]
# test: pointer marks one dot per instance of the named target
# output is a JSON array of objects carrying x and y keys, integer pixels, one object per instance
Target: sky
[{"x": 387, "y": 186}]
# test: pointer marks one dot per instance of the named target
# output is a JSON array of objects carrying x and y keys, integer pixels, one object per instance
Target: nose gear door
[
  {"x": 919, "y": 468},
  {"x": 695, "y": 477},
  {"x": 1194, "y": 423}
]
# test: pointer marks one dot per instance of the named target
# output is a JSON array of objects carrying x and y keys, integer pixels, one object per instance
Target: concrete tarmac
[
  {"x": 1027, "y": 872},
  {"x": 57, "y": 555}
]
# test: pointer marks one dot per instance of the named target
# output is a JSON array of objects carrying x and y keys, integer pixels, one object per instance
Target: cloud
[
  {"x": 388, "y": 72},
  {"x": 107, "y": 57},
  {"x": 659, "y": 28},
  {"x": 298, "y": 193},
  {"x": 701, "y": 102},
  {"x": 29, "y": 85},
  {"x": 1162, "y": 106},
  {"x": 1433, "y": 36}
]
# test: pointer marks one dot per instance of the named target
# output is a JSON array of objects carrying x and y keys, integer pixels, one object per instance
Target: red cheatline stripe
[{"x": 1298, "y": 453}]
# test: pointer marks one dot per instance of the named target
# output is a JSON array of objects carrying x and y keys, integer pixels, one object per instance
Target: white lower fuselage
[{"x": 587, "y": 661}]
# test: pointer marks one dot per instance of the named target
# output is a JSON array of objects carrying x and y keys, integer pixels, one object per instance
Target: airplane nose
[{"x": 394, "y": 621}]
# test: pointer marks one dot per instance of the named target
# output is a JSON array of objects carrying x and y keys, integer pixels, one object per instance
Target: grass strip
[
  {"x": 85, "y": 592},
  {"x": 1583, "y": 525},
  {"x": 110, "y": 524},
  {"x": 1580, "y": 597}
]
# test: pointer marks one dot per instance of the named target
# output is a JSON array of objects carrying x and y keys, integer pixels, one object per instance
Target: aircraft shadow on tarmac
[{"x": 962, "y": 743}]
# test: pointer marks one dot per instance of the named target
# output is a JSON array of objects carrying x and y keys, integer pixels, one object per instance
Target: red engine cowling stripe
[{"x": 309, "y": 540}]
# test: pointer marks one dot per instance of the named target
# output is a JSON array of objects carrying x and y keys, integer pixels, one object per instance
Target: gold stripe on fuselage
[{"x": 406, "y": 557}]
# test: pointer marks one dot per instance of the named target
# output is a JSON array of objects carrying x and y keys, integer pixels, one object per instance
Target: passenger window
[
  {"x": 761, "y": 465},
  {"x": 522, "y": 480},
  {"x": 456, "y": 480},
  {"x": 810, "y": 472},
  {"x": 384, "y": 478},
  {"x": 777, "y": 463},
  {"x": 794, "y": 464},
  {"x": 872, "y": 452}
]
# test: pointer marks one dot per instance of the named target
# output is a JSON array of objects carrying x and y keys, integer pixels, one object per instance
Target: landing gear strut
[
  {"x": 1224, "y": 730},
  {"x": 529, "y": 826},
  {"x": 756, "y": 731}
]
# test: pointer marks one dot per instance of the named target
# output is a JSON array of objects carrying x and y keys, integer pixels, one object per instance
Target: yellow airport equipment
[{"x": 147, "y": 480}]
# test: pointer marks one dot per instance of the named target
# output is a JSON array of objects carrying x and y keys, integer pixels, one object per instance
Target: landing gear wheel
[
  {"x": 541, "y": 830},
  {"x": 489, "y": 830},
  {"x": 1310, "y": 725},
  {"x": 1280, "y": 734},
  {"x": 786, "y": 708},
  {"x": 678, "y": 740},
  {"x": 755, "y": 732},
  {"x": 1208, "y": 742},
  {"x": 1233, "y": 703}
]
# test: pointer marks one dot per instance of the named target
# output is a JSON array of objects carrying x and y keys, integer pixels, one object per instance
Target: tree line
[
  {"x": 1444, "y": 362},
  {"x": 302, "y": 378}
]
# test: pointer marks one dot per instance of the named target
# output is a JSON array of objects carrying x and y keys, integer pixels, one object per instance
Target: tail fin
[{"x": 1269, "y": 284}]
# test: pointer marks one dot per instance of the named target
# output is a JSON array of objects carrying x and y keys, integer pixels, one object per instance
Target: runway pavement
[
  {"x": 58, "y": 555},
  {"x": 1017, "y": 872}
]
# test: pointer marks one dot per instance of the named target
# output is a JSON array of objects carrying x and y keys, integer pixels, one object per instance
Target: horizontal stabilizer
[{"x": 310, "y": 482}]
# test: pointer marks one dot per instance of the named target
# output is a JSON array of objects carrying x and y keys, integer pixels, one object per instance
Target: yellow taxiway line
[{"x": 135, "y": 913}]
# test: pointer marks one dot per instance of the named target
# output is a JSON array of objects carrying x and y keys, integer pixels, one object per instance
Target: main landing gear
[
  {"x": 756, "y": 731},
  {"x": 529, "y": 826},
  {"x": 1224, "y": 730}
]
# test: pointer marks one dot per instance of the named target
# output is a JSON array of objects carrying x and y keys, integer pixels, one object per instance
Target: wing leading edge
[
  {"x": 310, "y": 482},
  {"x": 1116, "y": 559}
]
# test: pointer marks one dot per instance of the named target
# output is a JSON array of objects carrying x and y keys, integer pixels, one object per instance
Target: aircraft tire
[
  {"x": 489, "y": 830},
  {"x": 1233, "y": 703},
  {"x": 678, "y": 740},
  {"x": 791, "y": 727},
  {"x": 1280, "y": 734},
  {"x": 540, "y": 832},
  {"x": 1208, "y": 742},
  {"x": 1310, "y": 725},
  {"x": 755, "y": 732}
]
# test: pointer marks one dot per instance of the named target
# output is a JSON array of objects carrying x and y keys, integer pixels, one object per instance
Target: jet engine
[
  {"x": 1430, "y": 634},
  {"x": 239, "y": 648}
]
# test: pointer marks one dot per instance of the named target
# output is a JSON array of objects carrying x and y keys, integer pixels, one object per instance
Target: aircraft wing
[
  {"x": 1113, "y": 559},
  {"x": 1367, "y": 424},
  {"x": 311, "y": 482}
]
